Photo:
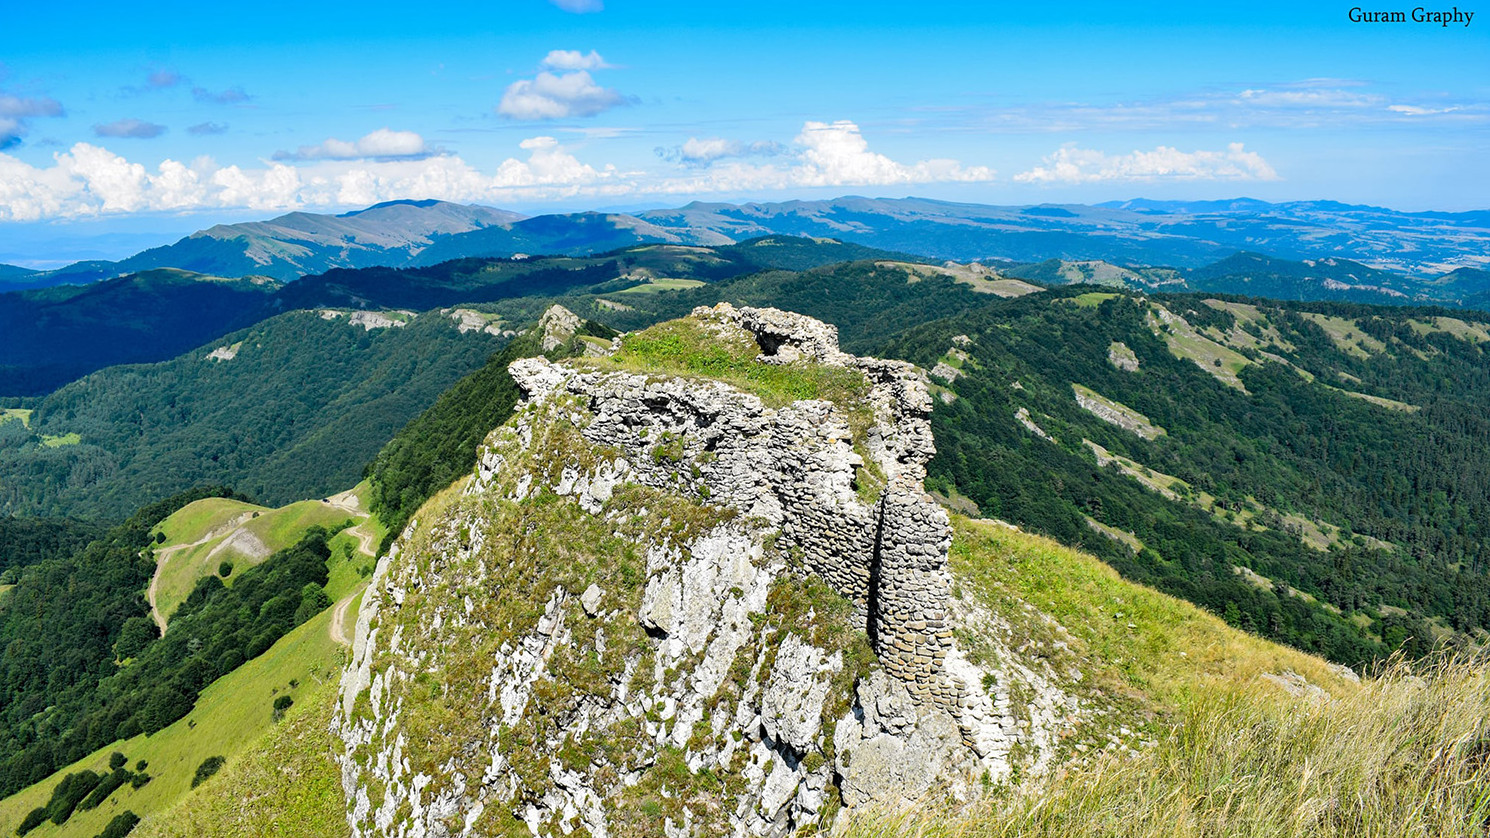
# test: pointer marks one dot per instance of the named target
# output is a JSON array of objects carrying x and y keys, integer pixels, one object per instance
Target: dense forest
[
  {"x": 1406, "y": 487},
  {"x": 297, "y": 412},
  {"x": 59, "y": 629}
]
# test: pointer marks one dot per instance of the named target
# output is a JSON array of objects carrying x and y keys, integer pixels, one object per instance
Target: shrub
[
  {"x": 106, "y": 787},
  {"x": 117, "y": 761},
  {"x": 69, "y": 793},
  {"x": 209, "y": 766},
  {"x": 120, "y": 826},
  {"x": 225, "y": 569},
  {"x": 139, "y": 780},
  {"x": 282, "y": 704},
  {"x": 33, "y": 819}
]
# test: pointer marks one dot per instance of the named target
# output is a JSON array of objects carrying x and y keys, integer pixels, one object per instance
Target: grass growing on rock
[
  {"x": 1403, "y": 756},
  {"x": 722, "y": 351}
]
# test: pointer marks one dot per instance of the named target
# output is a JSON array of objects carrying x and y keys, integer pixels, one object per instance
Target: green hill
[
  {"x": 290, "y": 408},
  {"x": 55, "y": 335},
  {"x": 1313, "y": 472}
]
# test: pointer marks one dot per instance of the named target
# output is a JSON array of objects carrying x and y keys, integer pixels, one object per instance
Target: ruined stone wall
[{"x": 795, "y": 467}]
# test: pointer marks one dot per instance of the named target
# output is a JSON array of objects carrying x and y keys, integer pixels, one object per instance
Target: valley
[{"x": 1162, "y": 499}]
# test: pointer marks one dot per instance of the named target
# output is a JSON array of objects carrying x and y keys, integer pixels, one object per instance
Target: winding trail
[
  {"x": 164, "y": 555},
  {"x": 338, "y": 626}
]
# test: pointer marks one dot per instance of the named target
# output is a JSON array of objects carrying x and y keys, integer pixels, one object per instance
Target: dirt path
[
  {"x": 162, "y": 556},
  {"x": 366, "y": 541},
  {"x": 338, "y": 626}
]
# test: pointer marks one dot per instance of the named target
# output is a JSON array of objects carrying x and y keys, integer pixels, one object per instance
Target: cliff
[{"x": 694, "y": 587}]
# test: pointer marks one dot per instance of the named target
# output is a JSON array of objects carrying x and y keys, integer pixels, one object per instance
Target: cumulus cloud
[
  {"x": 382, "y": 144},
  {"x": 836, "y": 154},
  {"x": 573, "y": 59},
  {"x": 131, "y": 128},
  {"x": 569, "y": 92},
  {"x": 1071, "y": 165},
  {"x": 579, "y": 7},
  {"x": 15, "y": 113},
  {"x": 232, "y": 96},
  {"x": 206, "y": 128},
  {"x": 702, "y": 152},
  {"x": 87, "y": 180}
]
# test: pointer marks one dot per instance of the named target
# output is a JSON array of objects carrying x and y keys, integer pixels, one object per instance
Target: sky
[{"x": 122, "y": 127}]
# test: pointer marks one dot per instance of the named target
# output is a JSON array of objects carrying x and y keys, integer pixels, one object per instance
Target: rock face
[{"x": 661, "y": 606}]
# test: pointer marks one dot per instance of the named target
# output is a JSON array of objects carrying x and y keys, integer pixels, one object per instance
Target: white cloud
[
  {"x": 1417, "y": 110},
  {"x": 567, "y": 93},
  {"x": 207, "y": 128},
  {"x": 573, "y": 59},
  {"x": 702, "y": 152},
  {"x": 1076, "y": 165},
  {"x": 579, "y": 7},
  {"x": 87, "y": 180},
  {"x": 137, "y": 129},
  {"x": 382, "y": 144},
  {"x": 836, "y": 154}
]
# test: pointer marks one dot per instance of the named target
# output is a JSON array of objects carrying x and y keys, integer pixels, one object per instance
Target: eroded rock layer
[{"x": 663, "y": 606}]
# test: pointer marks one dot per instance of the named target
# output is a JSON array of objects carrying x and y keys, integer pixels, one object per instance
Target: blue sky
[{"x": 154, "y": 121}]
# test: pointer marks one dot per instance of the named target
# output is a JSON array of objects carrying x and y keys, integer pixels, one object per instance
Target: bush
[
  {"x": 33, "y": 819},
  {"x": 120, "y": 826},
  {"x": 282, "y": 704},
  {"x": 209, "y": 766},
  {"x": 117, "y": 761},
  {"x": 69, "y": 793},
  {"x": 225, "y": 569},
  {"x": 139, "y": 780},
  {"x": 106, "y": 787}
]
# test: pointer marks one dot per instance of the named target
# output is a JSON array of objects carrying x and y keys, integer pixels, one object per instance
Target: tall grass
[{"x": 1406, "y": 755}]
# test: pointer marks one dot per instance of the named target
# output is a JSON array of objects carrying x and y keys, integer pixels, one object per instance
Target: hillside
[
  {"x": 681, "y": 637},
  {"x": 55, "y": 335},
  {"x": 1312, "y": 472},
  {"x": 290, "y": 408},
  {"x": 300, "y": 243}
]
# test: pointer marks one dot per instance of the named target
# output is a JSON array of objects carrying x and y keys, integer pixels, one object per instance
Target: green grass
[
  {"x": 59, "y": 440},
  {"x": 21, "y": 413},
  {"x": 1347, "y": 335},
  {"x": 1093, "y": 299},
  {"x": 657, "y": 286},
  {"x": 1403, "y": 756},
  {"x": 276, "y": 529},
  {"x": 1223, "y": 362},
  {"x": 1141, "y": 640},
  {"x": 198, "y": 518},
  {"x": 231, "y": 714},
  {"x": 284, "y": 786}
]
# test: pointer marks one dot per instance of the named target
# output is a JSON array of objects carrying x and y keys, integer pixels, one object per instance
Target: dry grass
[{"x": 1406, "y": 755}]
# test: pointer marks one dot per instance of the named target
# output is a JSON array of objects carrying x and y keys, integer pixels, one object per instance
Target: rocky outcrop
[{"x": 621, "y": 605}]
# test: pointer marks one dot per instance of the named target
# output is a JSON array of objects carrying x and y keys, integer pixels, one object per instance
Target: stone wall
[{"x": 795, "y": 467}]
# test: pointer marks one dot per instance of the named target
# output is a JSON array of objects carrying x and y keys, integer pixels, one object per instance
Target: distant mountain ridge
[
  {"x": 301, "y": 243},
  {"x": 1176, "y": 234}
]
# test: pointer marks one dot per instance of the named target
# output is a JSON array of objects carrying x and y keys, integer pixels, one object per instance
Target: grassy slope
[
  {"x": 232, "y": 714},
  {"x": 277, "y": 529},
  {"x": 1156, "y": 647}
]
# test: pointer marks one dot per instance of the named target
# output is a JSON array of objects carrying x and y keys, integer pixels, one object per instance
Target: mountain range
[{"x": 1184, "y": 235}]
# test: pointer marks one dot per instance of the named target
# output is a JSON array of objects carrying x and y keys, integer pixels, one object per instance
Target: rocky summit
[{"x": 694, "y": 587}]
